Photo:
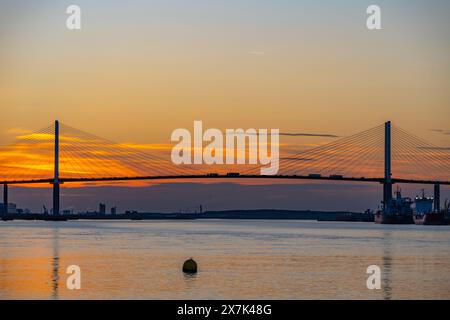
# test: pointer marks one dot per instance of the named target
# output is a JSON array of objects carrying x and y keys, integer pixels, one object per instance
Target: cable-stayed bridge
[{"x": 61, "y": 154}]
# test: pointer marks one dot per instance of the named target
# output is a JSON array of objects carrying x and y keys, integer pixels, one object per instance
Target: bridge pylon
[
  {"x": 387, "y": 183},
  {"x": 56, "y": 181}
]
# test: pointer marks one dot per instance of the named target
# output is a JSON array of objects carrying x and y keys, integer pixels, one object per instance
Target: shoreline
[{"x": 269, "y": 214}]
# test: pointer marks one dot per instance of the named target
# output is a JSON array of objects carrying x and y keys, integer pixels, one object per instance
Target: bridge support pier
[
  {"x": 437, "y": 197},
  {"x": 387, "y": 193},
  {"x": 56, "y": 198},
  {"x": 5, "y": 199}
]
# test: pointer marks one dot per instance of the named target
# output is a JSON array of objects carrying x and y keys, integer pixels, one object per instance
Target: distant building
[
  {"x": 102, "y": 208},
  {"x": 12, "y": 208},
  {"x": 113, "y": 210}
]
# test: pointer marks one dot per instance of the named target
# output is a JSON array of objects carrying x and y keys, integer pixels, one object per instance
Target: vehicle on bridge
[
  {"x": 212, "y": 174},
  {"x": 233, "y": 174}
]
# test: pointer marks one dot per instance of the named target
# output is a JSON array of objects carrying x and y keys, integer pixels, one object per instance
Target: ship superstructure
[{"x": 396, "y": 210}]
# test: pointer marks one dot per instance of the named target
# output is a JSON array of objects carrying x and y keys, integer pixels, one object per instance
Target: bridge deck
[{"x": 183, "y": 177}]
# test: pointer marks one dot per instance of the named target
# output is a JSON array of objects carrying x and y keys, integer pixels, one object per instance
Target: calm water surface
[{"x": 237, "y": 259}]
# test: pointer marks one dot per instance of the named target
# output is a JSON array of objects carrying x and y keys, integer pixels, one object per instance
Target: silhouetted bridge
[
  {"x": 340, "y": 160},
  {"x": 225, "y": 176}
]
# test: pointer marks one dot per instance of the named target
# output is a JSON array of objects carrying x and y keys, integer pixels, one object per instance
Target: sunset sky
[{"x": 137, "y": 70}]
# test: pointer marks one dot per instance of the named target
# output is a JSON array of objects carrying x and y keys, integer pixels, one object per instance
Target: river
[{"x": 238, "y": 259}]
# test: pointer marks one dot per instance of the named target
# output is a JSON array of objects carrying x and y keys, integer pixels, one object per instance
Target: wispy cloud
[
  {"x": 148, "y": 146},
  {"x": 295, "y": 134},
  {"x": 18, "y": 131},
  {"x": 441, "y": 131},
  {"x": 296, "y": 159},
  {"x": 303, "y": 134},
  {"x": 435, "y": 148}
]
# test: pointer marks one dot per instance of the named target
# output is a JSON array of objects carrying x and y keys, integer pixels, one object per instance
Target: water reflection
[
  {"x": 189, "y": 276},
  {"x": 250, "y": 260},
  {"x": 387, "y": 265},
  {"x": 190, "y": 280},
  {"x": 55, "y": 262}
]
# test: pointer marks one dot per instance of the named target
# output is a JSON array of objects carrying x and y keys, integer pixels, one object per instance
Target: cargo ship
[
  {"x": 431, "y": 219},
  {"x": 424, "y": 213},
  {"x": 397, "y": 211}
]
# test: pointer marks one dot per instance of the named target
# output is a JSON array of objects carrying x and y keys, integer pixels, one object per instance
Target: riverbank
[{"x": 223, "y": 214}]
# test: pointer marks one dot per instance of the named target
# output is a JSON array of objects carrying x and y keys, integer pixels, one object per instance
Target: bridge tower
[
  {"x": 387, "y": 183},
  {"x": 56, "y": 182}
]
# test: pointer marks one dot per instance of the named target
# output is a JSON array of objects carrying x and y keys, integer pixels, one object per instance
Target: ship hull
[
  {"x": 393, "y": 219},
  {"x": 430, "y": 219}
]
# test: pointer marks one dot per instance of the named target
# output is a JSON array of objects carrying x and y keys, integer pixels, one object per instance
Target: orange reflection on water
[{"x": 238, "y": 259}]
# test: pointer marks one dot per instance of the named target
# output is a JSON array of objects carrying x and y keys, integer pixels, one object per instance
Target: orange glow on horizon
[{"x": 31, "y": 157}]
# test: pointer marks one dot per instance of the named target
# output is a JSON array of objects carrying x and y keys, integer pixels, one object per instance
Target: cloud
[
  {"x": 18, "y": 131},
  {"x": 296, "y": 159},
  {"x": 442, "y": 131},
  {"x": 435, "y": 148},
  {"x": 295, "y": 134},
  {"x": 148, "y": 146},
  {"x": 308, "y": 135}
]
